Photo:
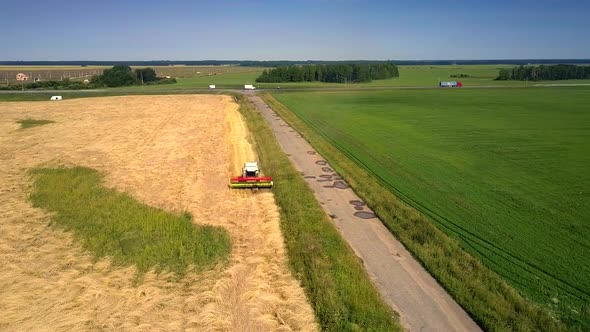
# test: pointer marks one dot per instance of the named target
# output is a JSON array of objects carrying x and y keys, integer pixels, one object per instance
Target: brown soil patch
[{"x": 173, "y": 152}]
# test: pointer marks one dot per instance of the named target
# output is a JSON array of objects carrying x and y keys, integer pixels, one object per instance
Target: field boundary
[
  {"x": 339, "y": 290},
  {"x": 491, "y": 302}
]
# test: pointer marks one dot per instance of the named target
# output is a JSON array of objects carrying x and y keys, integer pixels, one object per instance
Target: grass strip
[
  {"x": 490, "y": 301},
  {"x": 340, "y": 292},
  {"x": 28, "y": 123},
  {"x": 110, "y": 223}
]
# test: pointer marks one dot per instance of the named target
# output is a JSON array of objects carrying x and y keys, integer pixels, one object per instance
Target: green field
[
  {"x": 409, "y": 76},
  {"x": 422, "y": 76},
  {"x": 227, "y": 80},
  {"x": 504, "y": 171}
]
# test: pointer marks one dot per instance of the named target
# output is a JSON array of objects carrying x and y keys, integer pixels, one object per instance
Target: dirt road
[
  {"x": 172, "y": 152},
  {"x": 422, "y": 303}
]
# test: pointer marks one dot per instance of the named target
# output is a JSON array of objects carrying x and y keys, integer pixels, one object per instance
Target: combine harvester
[{"x": 250, "y": 178}]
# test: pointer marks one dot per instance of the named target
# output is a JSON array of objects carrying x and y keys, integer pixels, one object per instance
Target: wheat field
[{"x": 171, "y": 152}]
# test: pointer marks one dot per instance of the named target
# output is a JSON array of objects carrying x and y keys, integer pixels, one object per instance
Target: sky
[{"x": 293, "y": 30}]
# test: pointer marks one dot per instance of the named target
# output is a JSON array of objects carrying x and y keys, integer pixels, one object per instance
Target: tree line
[
  {"x": 121, "y": 75},
  {"x": 65, "y": 84},
  {"x": 544, "y": 73},
  {"x": 333, "y": 73}
]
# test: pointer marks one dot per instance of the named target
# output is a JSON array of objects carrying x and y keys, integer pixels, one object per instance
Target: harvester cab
[
  {"x": 250, "y": 169},
  {"x": 250, "y": 178}
]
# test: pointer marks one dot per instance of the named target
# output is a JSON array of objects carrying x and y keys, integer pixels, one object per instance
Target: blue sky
[{"x": 293, "y": 30}]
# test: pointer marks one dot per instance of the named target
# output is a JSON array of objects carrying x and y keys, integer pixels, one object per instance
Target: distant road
[
  {"x": 200, "y": 90},
  {"x": 53, "y": 91},
  {"x": 563, "y": 84}
]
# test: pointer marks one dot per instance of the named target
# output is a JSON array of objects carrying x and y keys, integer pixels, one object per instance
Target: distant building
[{"x": 22, "y": 77}]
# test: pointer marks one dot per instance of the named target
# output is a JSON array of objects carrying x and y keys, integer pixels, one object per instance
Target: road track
[{"x": 190, "y": 90}]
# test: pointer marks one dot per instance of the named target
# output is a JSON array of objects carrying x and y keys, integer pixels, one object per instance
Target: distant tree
[
  {"x": 504, "y": 75},
  {"x": 294, "y": 74},
  {"x": 360, "y": 73},
  {"x": 308, "y": 73},
  {"x": 334, "y": 73},
  {"x": 146, "y": 74},
  {"x": 545, "y": 72},
  {"x": 119, "y": 75}
]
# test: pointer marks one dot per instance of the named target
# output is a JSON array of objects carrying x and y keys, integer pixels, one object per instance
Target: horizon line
[{"x": 299, "y": 60}]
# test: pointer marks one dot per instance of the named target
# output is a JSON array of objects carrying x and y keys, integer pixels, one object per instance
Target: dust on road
[{"x": 172, "y": 152}]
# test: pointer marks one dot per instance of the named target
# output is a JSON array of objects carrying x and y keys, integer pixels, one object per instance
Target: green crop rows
[{"x": 504, "y": 171}]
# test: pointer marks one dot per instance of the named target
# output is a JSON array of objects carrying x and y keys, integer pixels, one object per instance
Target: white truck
[{"x": 249, "y": 87}]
